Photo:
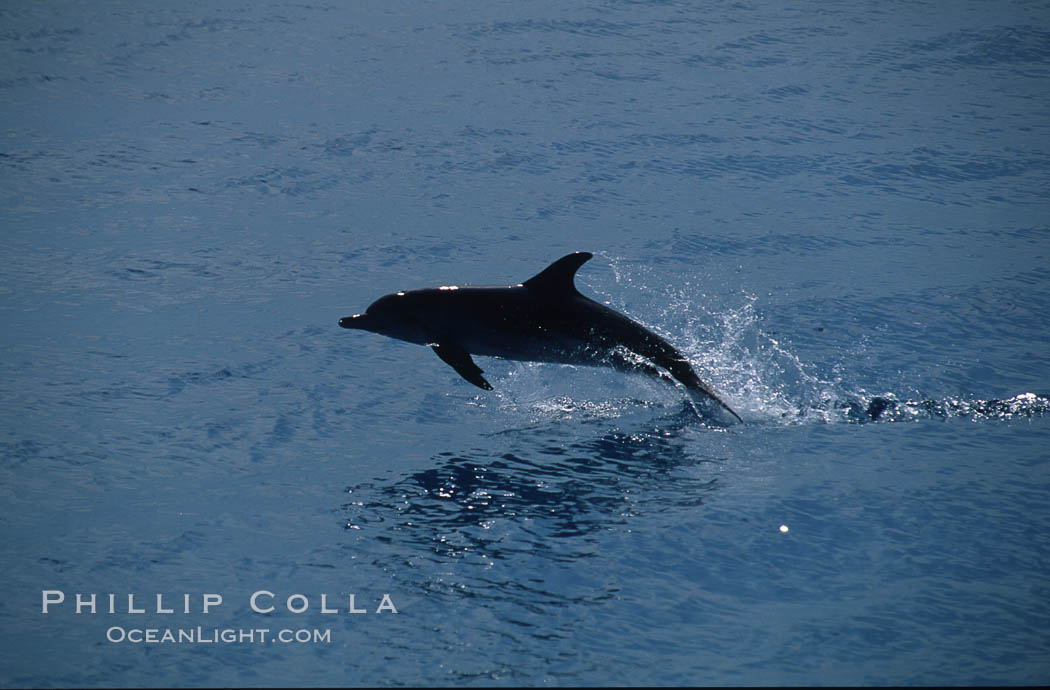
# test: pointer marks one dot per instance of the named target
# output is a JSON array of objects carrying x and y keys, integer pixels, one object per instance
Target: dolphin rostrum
[{"x": 544, "y": 319}]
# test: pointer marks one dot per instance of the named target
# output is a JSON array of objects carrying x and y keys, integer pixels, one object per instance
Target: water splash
[
  {"x": 758, "y": 374},
  {"x": 886, "y": 408},
  {"x": 764, "y": 381}
]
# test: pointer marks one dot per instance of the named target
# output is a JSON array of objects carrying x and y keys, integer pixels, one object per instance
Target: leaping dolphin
[{"x": 544, "y": 319}]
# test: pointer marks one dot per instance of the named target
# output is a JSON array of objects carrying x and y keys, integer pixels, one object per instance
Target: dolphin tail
[
  {"x": 679, "y": 369},
  {"x": 682, "y": 370}
]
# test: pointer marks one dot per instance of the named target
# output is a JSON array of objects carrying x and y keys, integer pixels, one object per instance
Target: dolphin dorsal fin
[{"x": 558, "y": 278}]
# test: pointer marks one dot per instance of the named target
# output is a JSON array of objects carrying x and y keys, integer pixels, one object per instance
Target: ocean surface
[{"x": 839, "y": 211}]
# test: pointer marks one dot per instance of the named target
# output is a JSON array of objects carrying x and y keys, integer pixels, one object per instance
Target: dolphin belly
[{"x": 529, "y": 349}]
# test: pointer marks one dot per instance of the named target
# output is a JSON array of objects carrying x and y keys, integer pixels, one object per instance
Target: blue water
[{"x": 826, "y": 206}]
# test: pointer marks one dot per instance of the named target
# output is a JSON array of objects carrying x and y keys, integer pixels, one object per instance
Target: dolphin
[{"x": 544, "y": 319}]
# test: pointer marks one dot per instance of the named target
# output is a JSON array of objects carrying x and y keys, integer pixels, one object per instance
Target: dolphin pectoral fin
[{"x": 459, "y": 359}]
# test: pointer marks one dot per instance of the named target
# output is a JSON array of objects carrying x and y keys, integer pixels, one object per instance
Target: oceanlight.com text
[{"x": 201, "y": 635}]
